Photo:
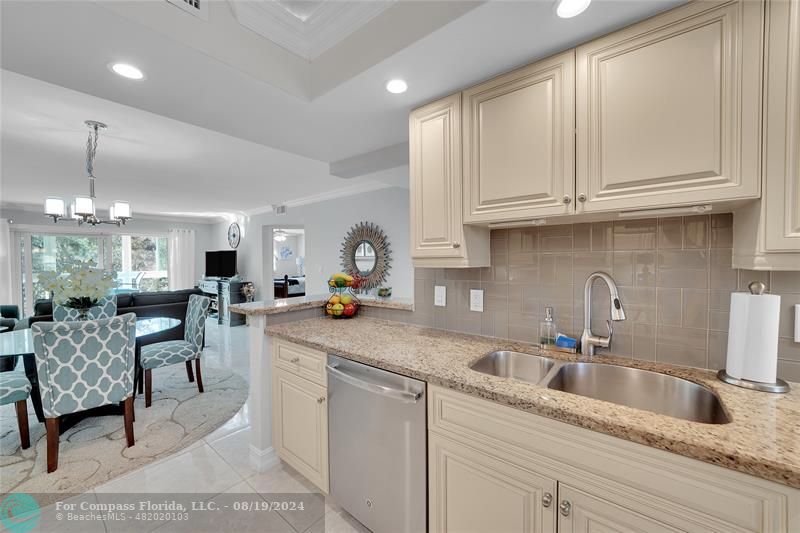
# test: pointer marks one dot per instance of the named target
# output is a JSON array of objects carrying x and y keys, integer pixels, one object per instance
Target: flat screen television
[{"x": 221, "y": 264}]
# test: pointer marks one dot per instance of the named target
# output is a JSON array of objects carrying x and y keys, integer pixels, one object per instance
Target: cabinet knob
[
  {"x": 565, "y": 507},
  {"x": 567, "y": 199},
  {"x": 321, "y": 399},
  {"x": 456, "y": 244},
  {"x": 294, "y": 360},
  {"x": 581, "y": 197},
  {"x": 547, "y": 499}
]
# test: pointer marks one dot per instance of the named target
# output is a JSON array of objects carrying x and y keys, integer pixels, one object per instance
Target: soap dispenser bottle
[{"x": 547, "y": 329}]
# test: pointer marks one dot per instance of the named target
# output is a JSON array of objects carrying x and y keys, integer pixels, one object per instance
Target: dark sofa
[{"x": 170, "y": 304}]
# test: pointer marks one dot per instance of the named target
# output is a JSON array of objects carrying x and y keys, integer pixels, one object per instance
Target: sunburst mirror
[{"x": 366, "y": 253}]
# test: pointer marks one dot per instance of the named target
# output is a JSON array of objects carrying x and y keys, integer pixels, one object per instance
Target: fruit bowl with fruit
[{"x": 342, "y": 303}]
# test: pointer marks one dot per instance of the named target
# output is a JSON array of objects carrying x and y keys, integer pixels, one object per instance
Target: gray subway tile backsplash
[{"x": 675, "y": 280}]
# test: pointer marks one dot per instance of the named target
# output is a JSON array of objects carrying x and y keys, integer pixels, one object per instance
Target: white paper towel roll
[{"x": 753, "y": 337}]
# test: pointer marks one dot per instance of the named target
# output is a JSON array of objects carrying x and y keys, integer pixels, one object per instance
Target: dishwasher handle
[{"x": 403, "y": 396}]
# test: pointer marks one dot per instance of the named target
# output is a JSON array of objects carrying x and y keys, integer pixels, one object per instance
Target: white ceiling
[
  {"x": 222, "y": 77},
  {"x": 160, "y": 165}
]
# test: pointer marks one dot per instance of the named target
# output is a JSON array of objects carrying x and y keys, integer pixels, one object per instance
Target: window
[{"x": 139, "y": 261}]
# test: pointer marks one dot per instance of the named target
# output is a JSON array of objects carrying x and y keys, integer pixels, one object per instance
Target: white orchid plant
[{"x": 80, "y": 287}]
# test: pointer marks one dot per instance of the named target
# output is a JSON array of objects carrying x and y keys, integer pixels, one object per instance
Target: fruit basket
[{"x": 342, "y": 303}]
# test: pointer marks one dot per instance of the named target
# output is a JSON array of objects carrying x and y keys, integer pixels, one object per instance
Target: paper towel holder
[{"x": 780, "y": 386}]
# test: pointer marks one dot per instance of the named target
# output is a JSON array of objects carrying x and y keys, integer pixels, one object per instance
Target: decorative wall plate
[{"x": 366, "y": 253}]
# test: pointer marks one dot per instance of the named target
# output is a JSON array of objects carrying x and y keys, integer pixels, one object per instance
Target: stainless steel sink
[
  {"x": 521, "y": 366},
  {"x": 641, "y": 389}
]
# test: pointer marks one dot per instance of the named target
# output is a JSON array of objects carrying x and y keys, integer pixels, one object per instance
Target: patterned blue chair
[
  {"x": 15, "y": 388},
  {"x": 169, "y": 353},
  {"x": 105, "y": 308},
  {"x": 83, "y": 365}
]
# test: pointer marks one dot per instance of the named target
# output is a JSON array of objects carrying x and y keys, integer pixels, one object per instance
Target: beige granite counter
[
  {"x": 762, "y": 439},
  {"x": 285, "y": 305}
]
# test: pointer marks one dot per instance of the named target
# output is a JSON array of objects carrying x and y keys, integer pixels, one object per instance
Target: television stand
[{"x": 224, "y": 292}]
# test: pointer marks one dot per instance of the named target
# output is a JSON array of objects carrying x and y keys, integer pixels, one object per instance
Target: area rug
[{"x": 93, "y": 451}]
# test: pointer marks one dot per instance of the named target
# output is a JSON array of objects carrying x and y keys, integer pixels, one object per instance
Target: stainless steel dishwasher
[{"x": 377, "y": 446}]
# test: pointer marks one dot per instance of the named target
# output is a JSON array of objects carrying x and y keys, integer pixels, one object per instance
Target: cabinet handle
[
  {"x": 565, "y": 507},
  {"x": 581, "y": 197},
  {"x": 547, "y": 499},
  {"x": 294, "y": 360},
  {"x": 567, "y": 199},
  {"x": 456, "y": 244},
  {"x": 321, "y": 399}
]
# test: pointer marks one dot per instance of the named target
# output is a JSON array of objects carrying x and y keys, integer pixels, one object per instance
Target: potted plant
[{"x": 80, "y": 287}]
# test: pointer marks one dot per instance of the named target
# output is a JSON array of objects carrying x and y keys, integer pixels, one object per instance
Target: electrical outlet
[
  {"x": 476, "y": 300},
  {"x": 440, "y": 296}
]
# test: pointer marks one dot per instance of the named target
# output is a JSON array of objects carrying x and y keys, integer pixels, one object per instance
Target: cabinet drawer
[{"x": 301, "y": 361}]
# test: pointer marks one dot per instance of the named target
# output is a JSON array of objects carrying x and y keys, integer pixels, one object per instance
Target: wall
[
  {"x": 674, "y": 276},
  {"x": 289, "y": 266},
  {"x": 326, "y": 224},
  {"x": 139, "y": 225}
]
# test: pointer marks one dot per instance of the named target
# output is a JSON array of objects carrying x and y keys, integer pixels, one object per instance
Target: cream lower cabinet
[
  {"x": 438, "y": 235},
  {"x": 519, "y": 143},
  {"x": 494, "y": 468},
  {"x": 300, "y": 412},
  {"x": 668, "y": 110}
]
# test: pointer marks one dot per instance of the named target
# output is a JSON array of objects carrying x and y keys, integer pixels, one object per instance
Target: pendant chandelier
[{"x": 82, "y": 208}]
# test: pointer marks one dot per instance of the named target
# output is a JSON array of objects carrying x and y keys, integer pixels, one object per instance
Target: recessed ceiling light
[
  {"x": 127, "y": 71},
  {"x": 571, "y": 8},
  {"x": 396, "y": 86}
]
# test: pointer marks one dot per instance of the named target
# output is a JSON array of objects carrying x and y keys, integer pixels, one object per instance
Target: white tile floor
[{"x": 219, "y": 463}]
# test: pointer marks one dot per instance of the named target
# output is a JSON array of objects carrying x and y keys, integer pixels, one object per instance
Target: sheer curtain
[
  {"x": 181, "y": 259},
  {"x": 6, "y": 295}
]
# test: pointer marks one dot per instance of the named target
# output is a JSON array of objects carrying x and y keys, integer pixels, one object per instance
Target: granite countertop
[
  {"x": 285, "y": 305},
  {"x": 762, "y": 439}
]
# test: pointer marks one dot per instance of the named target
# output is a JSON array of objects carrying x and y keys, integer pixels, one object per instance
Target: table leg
[
  {"x": 262, "y": 454},
  {"x": 29, "y": 361}
]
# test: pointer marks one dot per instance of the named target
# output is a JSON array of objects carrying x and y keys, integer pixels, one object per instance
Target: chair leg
[
  {"x": 22, "y": 422},
  {"x": 199, "y": 375},
  {"x": 52, "y": 444},
  {"x": 141, "y": 381},
  {"x": 189, "y": 371},
  {"x": 148, "y": 387},
  {"x": 129, "y": 421}
]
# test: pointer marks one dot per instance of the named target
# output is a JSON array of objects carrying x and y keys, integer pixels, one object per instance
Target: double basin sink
[{"x": 633, "y": 387}]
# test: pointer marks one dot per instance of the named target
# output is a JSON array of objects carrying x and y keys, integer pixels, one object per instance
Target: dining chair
[
  {"x": 82, "y": 365},
  {"x": 168, "y": 353},
  {"x": 106, "y": 308},
  {"x": 15, "y": 388}
]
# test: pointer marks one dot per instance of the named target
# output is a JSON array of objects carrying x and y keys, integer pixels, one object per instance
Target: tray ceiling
[{"x": 307, "y": 28}]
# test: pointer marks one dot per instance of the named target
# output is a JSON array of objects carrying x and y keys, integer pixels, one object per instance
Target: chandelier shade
[{"x": 83, "y": 208}]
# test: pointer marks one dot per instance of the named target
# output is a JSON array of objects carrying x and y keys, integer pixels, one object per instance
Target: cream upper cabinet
[
  {"x": 782, "y": 128},
  {"x": 473, "y": 491},
  {"x": 668, "y": 110},
  {"x": 767, "y": 233},
  {"x": 438, "y": 236},
  {"x": 519, "y": 143}
]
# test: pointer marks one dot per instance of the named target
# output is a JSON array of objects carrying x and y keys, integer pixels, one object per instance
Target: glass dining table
[{"x": 19, "y": 343}]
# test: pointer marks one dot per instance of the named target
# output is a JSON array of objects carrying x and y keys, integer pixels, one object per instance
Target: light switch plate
[
  {"x": 439, "y": 295},
  {"x": 476, "y": 300}
]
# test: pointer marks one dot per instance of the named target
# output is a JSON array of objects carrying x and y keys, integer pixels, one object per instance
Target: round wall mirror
[
  {"x": 365, "y": 253},
  {"x": 365, "y": 258}
]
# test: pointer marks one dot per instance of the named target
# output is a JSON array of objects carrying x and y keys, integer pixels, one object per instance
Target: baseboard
[{"x": 262, "y": 460}]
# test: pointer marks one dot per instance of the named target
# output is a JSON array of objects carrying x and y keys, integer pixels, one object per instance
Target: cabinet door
[
  {"x": 300, "y": 425},
  {"x": 668, "y": 110},
  {"x": 782, "y": 128},
  {"x": 519, "y": 143},
  {"x": 470, "y": 490},
  {"x": 435, "y": 161},
  {"x": 580, "y": 512}
]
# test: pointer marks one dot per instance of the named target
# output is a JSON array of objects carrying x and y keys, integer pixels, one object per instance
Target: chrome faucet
[{"x": 588, "y": 339}]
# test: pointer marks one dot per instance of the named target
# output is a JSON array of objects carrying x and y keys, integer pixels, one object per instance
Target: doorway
[{"x": 288, "y": 261}]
